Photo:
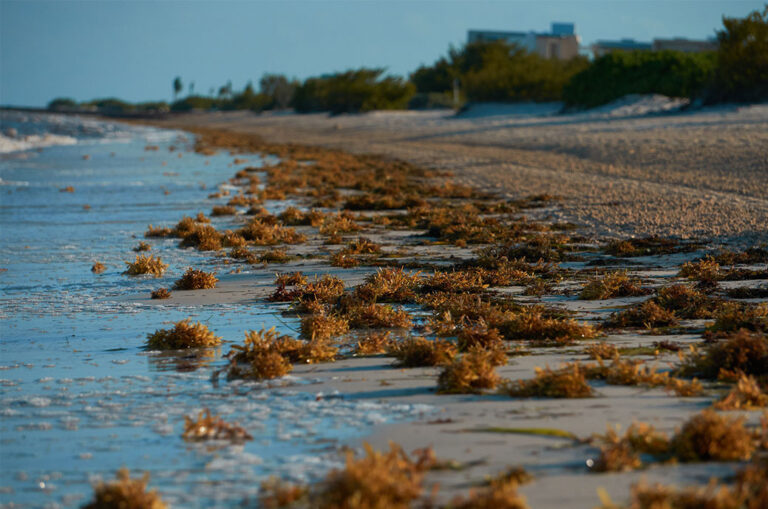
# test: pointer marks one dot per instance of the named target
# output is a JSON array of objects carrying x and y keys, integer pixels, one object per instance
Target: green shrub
[
  {"x": 62, "y": 103},
  {"x": 498, "y": 71},
  {"x": 353, "y": 91},
  {"x": 617, "y": 74}
]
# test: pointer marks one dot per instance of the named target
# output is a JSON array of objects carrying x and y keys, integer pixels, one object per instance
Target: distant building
[
  {"x": 601, "y": 48},
  {"x": 685, "y": 45},
  {"x": 561, "y": 42}
]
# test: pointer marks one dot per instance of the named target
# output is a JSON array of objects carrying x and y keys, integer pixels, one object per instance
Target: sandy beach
[
  {"x": 619, "y": 171},
  {"x": 701, "y": 175}
]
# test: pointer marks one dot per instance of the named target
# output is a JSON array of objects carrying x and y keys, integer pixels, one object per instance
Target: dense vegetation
[
  {"x": 737, "y": 71},
  {"x": 670, "y": 73},
  {"x": 353, "y": 91},
  {"x": 498, "y": 71},
  {"x": 742, "y": 60}
]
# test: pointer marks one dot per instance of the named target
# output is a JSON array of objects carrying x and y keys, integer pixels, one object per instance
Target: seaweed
[
  {"x": 738, "y": 352},
  {"x": 98, "y": 268},
  {"x": 146, "y": 265},
  {"x": 183, "y": 335},
  {"x": 612, "y": 285},
  {"x": 142, "y": 246},
  {"x": 567, "y": 382},
  {"x": 389, "y": 285},
  {"x": 266, "y": 354},
  {"x": 532, "y": 324},
  {"x": 376, "y": 480},
  {"x": 161, "y": 293},
  {"x": 478, "y": 335},
  {"x": 647, "y": 314},
  {"x": 194, "y": 279},
  {"x": 471, "y": 373},
  {"x": 223, "y": 210},
  {"x": 212, "y": 427},
  {"x": 420, "y": 352},
  {"x": 733, "y": 316},
  {"x": 372, "y": 315},
  {"x": 126, "y": 493},
  {"x": 323, "y": 326},
  {"x": 375, "y": 342},
  {"x": 746, "y": 395},
  {"x": 709, "y": 436},
  {"x": 500, "y": 494}
]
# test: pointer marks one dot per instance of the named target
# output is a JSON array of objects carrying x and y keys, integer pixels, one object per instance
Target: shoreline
[
  {"x": 559, "y": 465},
  {"x": 691, "y": 174}
]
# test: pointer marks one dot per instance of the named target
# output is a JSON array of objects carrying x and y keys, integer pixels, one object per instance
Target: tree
[
  {"x": 742, "y": 59},
  {"x": 278, "y": 88},
  {"x": 177, "y": 87}
]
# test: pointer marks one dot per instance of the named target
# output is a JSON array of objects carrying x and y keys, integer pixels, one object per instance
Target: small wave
[
  {"x": 33, "y": 141},
  {"x": 17, "y": 183}
]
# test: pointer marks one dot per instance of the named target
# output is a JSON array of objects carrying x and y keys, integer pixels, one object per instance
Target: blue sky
[{"x": 134, "y": 49}]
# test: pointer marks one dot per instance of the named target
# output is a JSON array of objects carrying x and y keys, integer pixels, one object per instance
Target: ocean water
[{"x": 79, "y": 396}]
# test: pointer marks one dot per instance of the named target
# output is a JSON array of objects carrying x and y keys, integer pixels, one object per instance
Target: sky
[{"x": 134, "y": 49}]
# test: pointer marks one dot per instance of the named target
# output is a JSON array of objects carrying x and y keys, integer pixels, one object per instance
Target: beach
[
  {"x": 620, "y": 171},
  {"x": 699, "y": 178}
]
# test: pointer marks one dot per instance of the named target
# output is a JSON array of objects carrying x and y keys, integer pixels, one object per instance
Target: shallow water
[{"x": 79, "y": 397}]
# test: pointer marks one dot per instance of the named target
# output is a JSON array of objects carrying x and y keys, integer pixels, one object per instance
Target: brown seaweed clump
[
  {"x": 500, "y": 494},
  {"x": 194, "y": 279},
  {"x": 161, "y": 293},
  {"x": 648, "y": 314},
  {"x": 418, "y": 352},
  {"x": 472, "y": 372},
  {"x": 622, "y": 454},
  {"x": 146, "y": 265},
  {"x": 183, "y": 335},
  {"x": 374, "y": 343},
  {"x": 567, "y": 382},
  {"x": 223, "y": 210},
  {"x": 265, "y": 354},
  {"x": 741, "y": 352},
  {"x": 749, "y": 492},
  {"x": 376, "y": 316},
  {"x": 533, "y": 324},
  {"x": 746, "y": 395},
  {"x": 709, "y": 436},
  {"x": 323, "y": 326},
  {"x": 615, "y": 284},
  {"x": 98, "y": 268},
  {"x": 377, "y": 480},
  {"x": 706, "y": 270},
  {"x": 142, "y": 247},
  {"x": 125, "y": 493},
  {"x": 389, "y": 285},
  {"x": 627, "y": 372},
  {"x": 212, "y": 427}
]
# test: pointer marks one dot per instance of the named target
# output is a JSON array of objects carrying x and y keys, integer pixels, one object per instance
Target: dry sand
[{"x": 698, "y": 174}]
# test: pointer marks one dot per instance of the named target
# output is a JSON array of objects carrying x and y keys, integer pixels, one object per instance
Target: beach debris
[
  {"x": 195, "y": 279},
  {"x": 212, "y": 427},
  {"x": 126, "y": 493},
  {"x": 146, "y": 265},
  {"x": 184, "y": 334},
  {"x": 161, "y": 293},
  {"x": 472, "y": 372}
]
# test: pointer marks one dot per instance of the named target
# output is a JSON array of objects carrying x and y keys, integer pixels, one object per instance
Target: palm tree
[{"x": 177, "y": 87}]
